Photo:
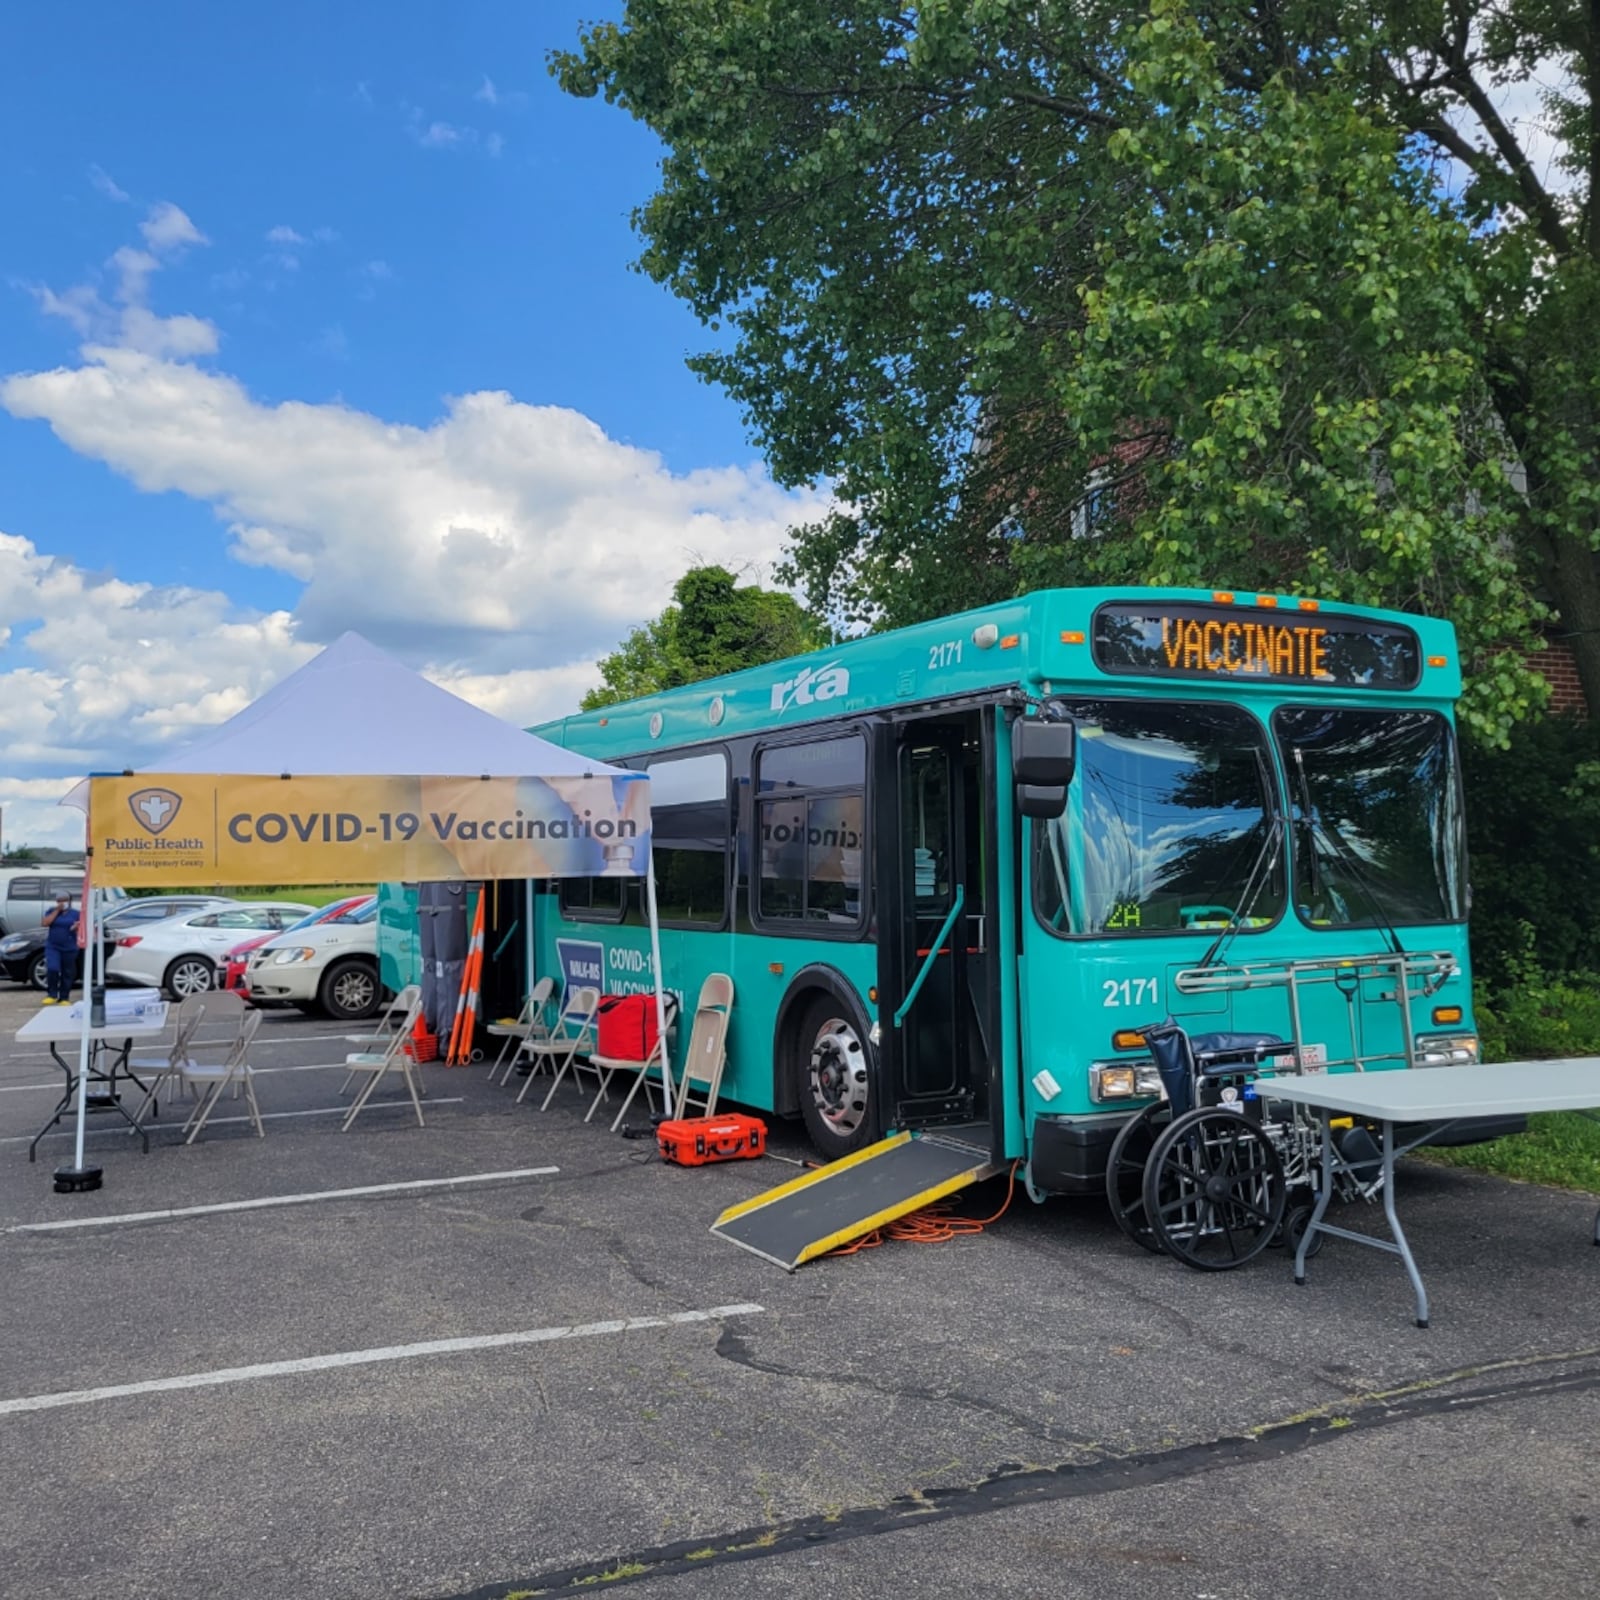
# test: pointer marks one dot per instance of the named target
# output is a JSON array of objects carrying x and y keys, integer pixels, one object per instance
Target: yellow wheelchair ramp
[{"x": 810, "y": 1216}]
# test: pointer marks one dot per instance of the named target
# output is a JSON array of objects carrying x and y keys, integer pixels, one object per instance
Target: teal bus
[{"x": 952, "y": 869}]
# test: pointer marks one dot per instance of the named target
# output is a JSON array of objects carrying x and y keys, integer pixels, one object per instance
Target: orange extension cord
[{"x": 932, "y": 1225}]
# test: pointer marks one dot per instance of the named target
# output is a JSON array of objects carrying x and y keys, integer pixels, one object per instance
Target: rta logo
[
  {"x": 814, "y": 683},
  {"x": 154, "y": 809}
]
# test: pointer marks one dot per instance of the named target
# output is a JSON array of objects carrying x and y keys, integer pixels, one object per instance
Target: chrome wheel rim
[{"x": 838, "y": 1076}]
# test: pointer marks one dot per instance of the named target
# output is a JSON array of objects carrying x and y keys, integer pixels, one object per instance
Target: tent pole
[
  {"x": 77, "y": 1177},
  {"x": 655, "y": 966}
]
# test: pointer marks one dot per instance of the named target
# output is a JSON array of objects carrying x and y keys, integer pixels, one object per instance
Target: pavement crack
[
  {"x": 1011, "y": 1487},
  {"x": 736, "y": 1347}
]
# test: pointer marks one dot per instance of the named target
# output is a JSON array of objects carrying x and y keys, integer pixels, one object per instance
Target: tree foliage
[
  {"x": 711, "y": 627},
  {"x": 995, "y": 268}
]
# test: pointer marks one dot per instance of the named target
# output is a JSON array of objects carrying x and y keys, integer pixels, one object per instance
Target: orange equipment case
[{"x": 694, "y": 1141}]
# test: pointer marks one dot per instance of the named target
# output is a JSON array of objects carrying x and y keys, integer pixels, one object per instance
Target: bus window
[
  {"x": 811, "y": 845},
  {"x": 594, "y": 899},
  {"x": 689, "y": 822},
  {"x": 1376, "y": 804},
  {"x": 1169, "y": 815}
]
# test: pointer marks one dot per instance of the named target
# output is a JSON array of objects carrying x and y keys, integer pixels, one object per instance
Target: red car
[{"x": 237, "y": 959}]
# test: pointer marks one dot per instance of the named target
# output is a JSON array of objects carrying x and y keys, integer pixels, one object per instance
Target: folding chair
[
  {"x": 392, "y": 1058},
  {"x": 186, "y": 1017},
  {"x": 233, "y": 1070},
  {"x": 397, "y": 1025},
  {"x": 530, "y": 1024},
  {"x": 572, "y": 1031},
  {"x": 708, "y": 1046},
  {"x": 607, "y": 1067},
  {"x": 393, "y": 1017}
]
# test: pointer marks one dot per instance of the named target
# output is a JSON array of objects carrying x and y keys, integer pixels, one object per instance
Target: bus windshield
[
  {"x": 1168, "y": 827},
  {"x": 1378, "y": 829}
]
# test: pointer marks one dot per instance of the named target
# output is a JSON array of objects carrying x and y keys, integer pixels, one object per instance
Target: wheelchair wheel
[
  {"x": 1125, "y": 1168},
  {"x": 1214, "y": 1190}
]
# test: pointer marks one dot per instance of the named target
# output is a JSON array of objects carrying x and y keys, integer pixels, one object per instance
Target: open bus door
[{"x": 935, "y": 932}]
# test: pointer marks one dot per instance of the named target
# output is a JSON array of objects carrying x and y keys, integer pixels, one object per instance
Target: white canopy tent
[{"x": 355, "y": 715}]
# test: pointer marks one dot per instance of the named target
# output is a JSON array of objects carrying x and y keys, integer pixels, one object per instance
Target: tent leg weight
[{"x": 77, "y": 1180}]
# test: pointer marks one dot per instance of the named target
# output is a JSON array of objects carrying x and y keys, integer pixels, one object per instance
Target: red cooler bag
[{"x": 627, "y": 1026}]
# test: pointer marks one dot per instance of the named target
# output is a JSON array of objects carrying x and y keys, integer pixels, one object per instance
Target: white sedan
[
  {"x": 331, "y": 966},
  {"x": 181, "y": 955}
]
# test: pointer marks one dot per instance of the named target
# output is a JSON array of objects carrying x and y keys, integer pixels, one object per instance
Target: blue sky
[{"x": 321, "y": 317}]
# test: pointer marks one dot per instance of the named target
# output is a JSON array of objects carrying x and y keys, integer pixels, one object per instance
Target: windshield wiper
[
  {"x": 1260, "y": 875},
  {"x": 1344, "y": 854}
]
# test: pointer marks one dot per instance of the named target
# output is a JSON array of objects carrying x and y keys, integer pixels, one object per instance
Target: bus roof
[{"x": 1199, "y": 642}]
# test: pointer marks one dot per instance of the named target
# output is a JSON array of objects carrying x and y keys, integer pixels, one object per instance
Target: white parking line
[
  {"x": 409, "y": 1187},
  {"x": 266, "y": 1116},
  {"x": 358, "y": 1358}
]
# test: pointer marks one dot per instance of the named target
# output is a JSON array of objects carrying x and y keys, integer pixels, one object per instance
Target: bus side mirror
[
  {"x": 1046, "y": 801},
  {"x": 1043, "y": 754}
]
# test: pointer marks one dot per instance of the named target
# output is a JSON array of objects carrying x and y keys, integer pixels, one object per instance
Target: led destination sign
[{"x": 1198, "y": 641}]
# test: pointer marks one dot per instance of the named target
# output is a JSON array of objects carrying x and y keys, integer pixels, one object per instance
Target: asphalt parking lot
[{"x": 537, "y": 1373}]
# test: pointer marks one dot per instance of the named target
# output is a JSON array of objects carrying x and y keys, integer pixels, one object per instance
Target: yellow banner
[{"x": 236, "y": 831}]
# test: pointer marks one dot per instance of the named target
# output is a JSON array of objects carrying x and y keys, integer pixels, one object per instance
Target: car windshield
[
  {"x": 362, "y": 911},
  {"x": 1376, "y": 802},
  {"x": 1168, "y": 824}
]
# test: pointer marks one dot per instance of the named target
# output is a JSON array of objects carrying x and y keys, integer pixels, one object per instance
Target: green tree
[
  {"x": 994, "y": 268},
  {"x": 711, "y": 627}
]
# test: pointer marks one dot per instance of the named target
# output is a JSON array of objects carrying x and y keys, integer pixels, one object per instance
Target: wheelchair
[{"x": 1218, "y": 1171}]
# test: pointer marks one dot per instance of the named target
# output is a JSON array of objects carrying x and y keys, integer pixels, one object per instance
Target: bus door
[{"x": 935, "y": 960}]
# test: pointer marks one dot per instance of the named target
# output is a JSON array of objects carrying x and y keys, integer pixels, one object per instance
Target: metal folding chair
[
  {"x": 529, "y": 1024},
  {"x": 394, "y": 1057},
  {"x": 708, "y": 1046},
  {"x": 574, "y": 1029},
  {"x": 233, "y": 1070}
]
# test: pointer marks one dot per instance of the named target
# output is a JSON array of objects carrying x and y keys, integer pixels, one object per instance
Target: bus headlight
[
  {"x": 1446, "y": 1049},
  {"x": 1124, "y": 1080}
]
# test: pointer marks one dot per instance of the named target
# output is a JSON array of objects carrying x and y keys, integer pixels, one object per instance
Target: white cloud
[
  {"x": 105, "y": 184},
  {"x": 487, "y": 92},
  {"x": 127, "y": 322},
  {"x": 284, "y": 234},
  {"x": 442, "y": 135},
  {"x": 502, "y": 547},
  {"x": 167, "y": 227},
  {"x": 494, "y": 144},
  {"x": 504, "y": 532},
  {"x": 98, "y": 673}
]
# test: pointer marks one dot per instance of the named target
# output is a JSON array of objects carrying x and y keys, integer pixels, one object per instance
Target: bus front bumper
[{"x": 1068, "y": 1154}]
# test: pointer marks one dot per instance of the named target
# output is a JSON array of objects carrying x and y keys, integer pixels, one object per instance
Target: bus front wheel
[{"x": 835, "y": 1079}]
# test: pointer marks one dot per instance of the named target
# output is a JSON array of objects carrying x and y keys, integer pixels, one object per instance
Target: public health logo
[{"x": 154, "y": 809}]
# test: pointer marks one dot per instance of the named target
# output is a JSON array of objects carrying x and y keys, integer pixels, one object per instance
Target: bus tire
[{"x": 834, "y": 1077}]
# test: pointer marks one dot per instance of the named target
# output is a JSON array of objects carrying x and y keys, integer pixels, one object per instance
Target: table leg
[
  {"x": 1403, "y": 1249},
  {"x": 1324, "y": 1195},
  {"x": 107, "y": 1100}
]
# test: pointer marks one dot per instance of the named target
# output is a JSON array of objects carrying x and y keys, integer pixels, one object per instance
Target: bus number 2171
[{"x": 1132, "y": 992}]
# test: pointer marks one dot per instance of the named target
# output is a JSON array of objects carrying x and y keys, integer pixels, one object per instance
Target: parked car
[
  {"x": 26, "y": 893},
  {"x": 22, "y": 954},
  {"x": 331, "y": 966},
  {"x": 180, "y": 955},
  {"x": 237, "y": 962}
]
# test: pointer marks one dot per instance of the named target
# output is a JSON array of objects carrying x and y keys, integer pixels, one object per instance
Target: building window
[{"x": 1091, "y": 514}]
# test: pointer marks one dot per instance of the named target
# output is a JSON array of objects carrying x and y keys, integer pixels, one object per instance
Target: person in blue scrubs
[{"x": 60, "y": 951}]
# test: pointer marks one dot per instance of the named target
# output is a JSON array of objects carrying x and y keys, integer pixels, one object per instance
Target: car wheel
[
  {"x": 39, "y": 971},
  {"x": 349, "y": 991},
  {"x": 189, "y": 975}
]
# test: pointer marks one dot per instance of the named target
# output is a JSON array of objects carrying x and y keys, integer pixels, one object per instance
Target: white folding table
[
  {"x": 64, "y": 1025},
  {"x": 1434, "y": 1098}
]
